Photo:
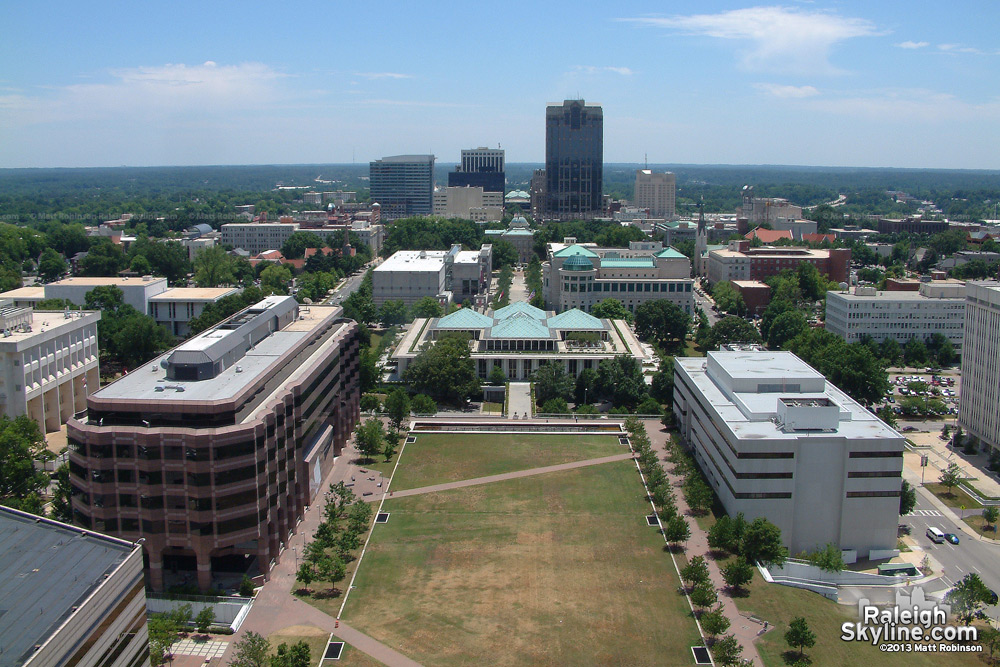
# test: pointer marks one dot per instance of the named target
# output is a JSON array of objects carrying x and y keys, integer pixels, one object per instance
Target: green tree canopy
[
  {"x": 427, "y": 307},
  {"x": 611, "y": 309},
  {"x": 785, "y": 327},
  {"x": 551, "y": 381},
  {"x": 663, "y": 322},
  {"x": 728, "y": 299},
  {"x": 444, "y": 371},
  {"x": 213, "y": 266},
  {"x": 51, "y": 265},
  {"x": 620, "y": 380},
  {"x": 731, "y": 329},
  {"x": 504, "y": 254},
  {"x": 21, "y": 485}
]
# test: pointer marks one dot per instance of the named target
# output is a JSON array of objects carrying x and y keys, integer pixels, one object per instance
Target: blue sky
[{"x": 900, "y": 84}]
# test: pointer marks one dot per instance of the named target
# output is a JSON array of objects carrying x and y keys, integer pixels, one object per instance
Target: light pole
[{"x": 296, "y": 553}]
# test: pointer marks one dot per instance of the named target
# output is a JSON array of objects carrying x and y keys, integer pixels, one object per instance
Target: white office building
[
  {"x": 136, "y": 292},
  {"x": 49, "y": 364},
  {"x": 175, "y": 308},
  {"x": 776, "y": 440},
  {"x": 257, "y": 237},
  {"x": 938, "y": 307},
  {"x": 448, "y": 275},
  {"x": 468, "y": 203},
  {"x": 656, "y": 192},
  {"x": 979, "y": 399}
]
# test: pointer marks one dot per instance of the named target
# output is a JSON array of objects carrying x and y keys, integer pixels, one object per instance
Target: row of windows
[
  {"x": 876, "y": 473},
  {"x": 873, "y": 494},
  {"x": 876, "y": 455}
]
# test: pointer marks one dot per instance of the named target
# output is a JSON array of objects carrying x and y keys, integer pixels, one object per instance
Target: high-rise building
[
  {"x": 980, "y": 395},
  {"x": 656, "y": 192},
  {"x": 574, "y": 160},
  {"x": 211, "y": 452},
  {"x": 403, "y": 185},
  {"x": 481, "y": 168}
]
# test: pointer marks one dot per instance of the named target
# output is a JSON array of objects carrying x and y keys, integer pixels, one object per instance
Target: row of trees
[
  {"x": 345, "y": 519},
  {"x": 254, "y": 650},
  {"x": 165, "y": 629}
]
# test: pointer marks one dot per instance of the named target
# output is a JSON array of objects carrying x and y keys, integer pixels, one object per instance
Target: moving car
[{"x": 951, "y": 537}]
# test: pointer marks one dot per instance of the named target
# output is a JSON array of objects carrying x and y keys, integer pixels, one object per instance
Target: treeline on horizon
[{"x": 81, "y": 193}]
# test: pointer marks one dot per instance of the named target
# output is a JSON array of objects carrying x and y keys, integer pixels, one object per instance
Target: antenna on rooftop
[{"x": 645, "y": 157}]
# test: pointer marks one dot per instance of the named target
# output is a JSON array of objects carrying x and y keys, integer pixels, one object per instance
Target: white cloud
[
  {"x": 590, "y": 69},
  {"x": 910, "y": 104},
  {"x": 912, "y": 45},
  {"x": 787, "y": 92},
  {"x": 782, "y": 39},
  {"x": 960, "y": 48},
  {"x": 383, "y": 75}
]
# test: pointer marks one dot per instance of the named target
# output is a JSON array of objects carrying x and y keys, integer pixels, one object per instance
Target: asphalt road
[
  {"x": 970, "y": 555},
  {"x": 350, "y": 286}
]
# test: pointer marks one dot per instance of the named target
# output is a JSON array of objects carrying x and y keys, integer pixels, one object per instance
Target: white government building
[
  {"x": 776, "y": 440},
  {"x": 977, "y": 404},
  {"x": 49, "y": 364},
  {"x": 938, "y": 307},
  {"x": 447, "y": 275}
]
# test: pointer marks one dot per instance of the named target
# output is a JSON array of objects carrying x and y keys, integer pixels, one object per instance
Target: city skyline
[{"x": 818, "y": 84}]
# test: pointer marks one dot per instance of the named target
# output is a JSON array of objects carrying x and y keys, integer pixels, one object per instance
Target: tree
[
  {"x": 946, "y": 354},
  {"x": 424, "y": 405},
  {"x": 251, "y": 651},
  {"x": 677, "y": 530},
  {"x": 330, "y": 568},
  {"x": 774, "y": 309},
  {"x": 554, "y": 406},
  {"x": 662, "y": 322},
  {"x": 662, "y": 388},
  {"x": 696, "y": 571},
  {"x": 650, "y": 406},
  {"x": 51, "y": 265},
  {"x": 61, "y": 509},
  {"x": 727, "y": 651},
  {"x": 727, "y": 299},
  {"x": 504, "y": 254},
  {"x": 611, "y": 309},
  {"x": 720, "y": 535},
  {"x": 991, "y": 515},
  {"x": 704, "y": 595},
  {"x": 427, "y": 307},
  {"x": 103, "y": 259},
  {"x": 392, "y": 312},
  {"x": 738, "y": 573},
  {"x": 246, "y": 587},
  {"x": 305, "y": 573},
  {"x": 915, "y": 352},
  {"x": 397, "y": 404},
  {"x": 585, "y": 390},
  {"x": 621, "y": 380},
  {"x": 889, "y": 350},
  {"x": 295, "y": 245},
  {"x": 213, "y": 266},
  {"x": 138, "y": 339},
  {"x": 370, "y": 403},
  {"x": 391, "y": 442},
  {"x": 275, "y": 279},
  {"x": 296, "y": 655},
  {"x": 762, "y": 543},
  {"x": 907, "y": 498},
  {"x": 799, "y": 636},
  {"x": 968, "y": 598},
  {"x": 731, "y": 329},
  {"x": 551, "y": 381},
  {"x": 445, "y": 371},
  {"x": 785, "y": 327},
  {"x": 21, "y": 485},
  {"x": 203, "y": 621},
  {"x": 163, "y": 632},
  {"x": 369, "y": 437},
  {"x": 886, "y": 414},
  {"x": 714, "y": 622},
  {"x": 950, "y": 477},
  {"x": 140, "y": 264},
  {"x": 829, "y": 558},
  {"x": 496, "y": 376},
  {"x": 360, "y": 307},
  {"x": 698, "y": 494}
]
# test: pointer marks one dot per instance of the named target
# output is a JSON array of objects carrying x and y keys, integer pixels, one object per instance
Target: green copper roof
[
  {"x": 670, "y": 252},
  {"x": 574, "y": 319},
  {"x": 569, "y": 251},
  {"x": 465, "y": 318},
  {"x": 519, "y": 232},
  {"x": 578, "y": 263},
  {"x": 517, "y": 307},
  {"x": 519, "y": 325},
  {"x": 632, "y": 263}
]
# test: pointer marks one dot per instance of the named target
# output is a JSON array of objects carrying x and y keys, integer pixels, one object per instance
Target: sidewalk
[
  {"x": 520, "y": 401},
  {"x": 914, "y": 480},
  {"x": 742, "y": 628},
  {"x": 941, "y": 456}
]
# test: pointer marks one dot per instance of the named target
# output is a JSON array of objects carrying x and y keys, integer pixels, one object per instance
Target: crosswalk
[{"x": 924, "y": 513}]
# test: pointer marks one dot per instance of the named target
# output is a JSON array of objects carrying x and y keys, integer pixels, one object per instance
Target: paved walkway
[
  {"x": 520, "y": 401},
  {"x": 742, "y": 628},
  {"x": 276, "y": 608},
  {"x": 209, "y": 649},
  {"x": 475, "y": 481}
]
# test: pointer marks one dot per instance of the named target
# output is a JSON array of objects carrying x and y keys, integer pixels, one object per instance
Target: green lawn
[
  {"x": 436, "y": 458},
  {"x": 556, "y": 569},
  {"x": 977, "y": 522},
  {"x": 957, "y": 498},
  {"x": 778, "y": 605},
  {"x": 317, "y": 639},
  {"x": 492, "y": 408}
]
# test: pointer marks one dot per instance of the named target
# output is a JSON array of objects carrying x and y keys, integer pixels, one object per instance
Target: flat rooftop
[
  {"x": 142, "y": 383},
  {"x": 896, "y": 295},
  {"x": 413, "y": 260},
  {"x": 43, "y": 321},
  {"x": 97, "y": 281},
  {"x": 195, "y": 294},
  {"x": 46, "y": 568},
  {"x": 37, "y": 292}
]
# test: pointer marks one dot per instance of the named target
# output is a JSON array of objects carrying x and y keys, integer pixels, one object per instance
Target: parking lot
[{"x": 938, "y": 394}]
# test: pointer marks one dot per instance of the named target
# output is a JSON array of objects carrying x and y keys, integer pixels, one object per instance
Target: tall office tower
[
  {"x": 980, "y": 395},
  {"x": 655, "y": 192},
  {"x": 211, "y": 452},
  {"x": 403, "y": 185},
  {"x": 574, "y": 160},
  {"x": 481, "y": 168}
]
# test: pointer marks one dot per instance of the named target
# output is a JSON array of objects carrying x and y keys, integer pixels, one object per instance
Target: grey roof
[{"x": 46, "y": 568}]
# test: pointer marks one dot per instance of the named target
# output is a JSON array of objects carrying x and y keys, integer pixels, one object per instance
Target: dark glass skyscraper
[{"x": 574, "y": 160}]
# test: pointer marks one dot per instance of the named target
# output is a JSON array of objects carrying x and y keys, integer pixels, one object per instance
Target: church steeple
[{"x": 701, "y": 242}]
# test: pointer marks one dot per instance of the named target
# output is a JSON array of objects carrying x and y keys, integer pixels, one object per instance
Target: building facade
[
  {"x": 936, "y": 308},
  {"x": 136, "y": 292},
  {"x": 520, "y": 235},
  {"x": 468, "y": 203},
  {"x": 980, "y": 394},
  {"x": 911, "y": 226},
  {"x": 49, "y": 362},
  {"x": 403, "y": 185},
  {"x": 257, "y": 237},
  {"x": 175, "y": 308},
  {"x": 574, "y": 160},
  {"x": 776, "y": 440},
  {"x": 656, "y": 192},
  {"x": 740, "y": 261},
  {"x": 447, "y": 275},
  {"x": 757, "y": 210},
  {"x": 520, "y": 338},
  {"x": 581, "y": 276},
  {"x": 480, "y": 167},
  {"x": 70, "y": 596},
  {"x": 211, "y": 452}
]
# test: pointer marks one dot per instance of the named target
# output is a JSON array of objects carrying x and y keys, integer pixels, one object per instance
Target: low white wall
[{"x": 230, "y": 611}]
